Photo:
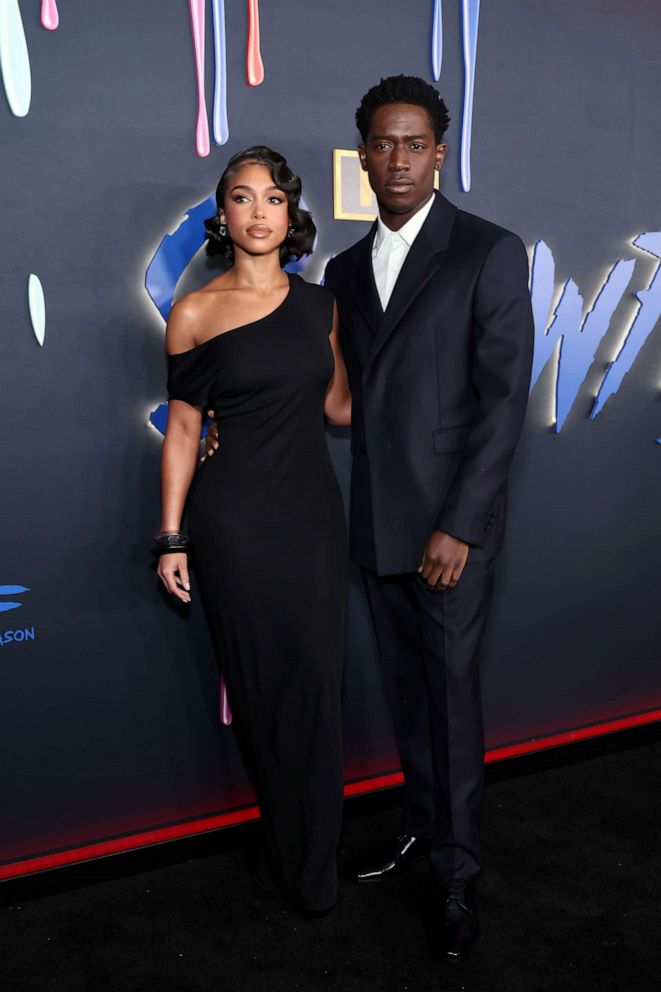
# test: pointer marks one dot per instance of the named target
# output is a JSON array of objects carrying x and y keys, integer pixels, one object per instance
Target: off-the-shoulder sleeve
[{"x": 189, "y": 378}]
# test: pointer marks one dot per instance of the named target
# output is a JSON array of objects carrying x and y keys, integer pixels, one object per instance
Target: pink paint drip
[
  {"x": 225, "y": 711},
  {"x": 50, "y": 18},
  {"x": 202, "y": 142},
  {"x": 254, "y": 64}
]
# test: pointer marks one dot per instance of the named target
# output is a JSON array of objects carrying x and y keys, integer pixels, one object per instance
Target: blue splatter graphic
[
  {"x": 644, "y": 322},
  {"x": 11, "y": 591},
  {"x": 574, "y": 339},
  {"x": 174, "y": 253}
]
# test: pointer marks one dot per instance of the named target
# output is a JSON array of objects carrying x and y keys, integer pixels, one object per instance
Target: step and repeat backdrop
[{"x": 116, "y": 120}]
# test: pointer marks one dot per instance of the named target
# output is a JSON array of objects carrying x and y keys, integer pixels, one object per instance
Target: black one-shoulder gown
[{"x": 268, "y": 539}]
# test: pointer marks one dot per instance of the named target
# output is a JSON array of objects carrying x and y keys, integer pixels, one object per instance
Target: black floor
[{"x": 569, "y": 900}]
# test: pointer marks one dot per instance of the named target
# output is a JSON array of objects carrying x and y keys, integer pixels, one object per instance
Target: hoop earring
[{"x": 291, "y": 232}]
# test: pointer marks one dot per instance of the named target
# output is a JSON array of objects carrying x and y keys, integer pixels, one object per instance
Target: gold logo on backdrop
[{"x": 353, "y": 198}]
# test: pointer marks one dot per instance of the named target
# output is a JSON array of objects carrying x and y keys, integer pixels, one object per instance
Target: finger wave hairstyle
[{"x": 302, "y": 240}]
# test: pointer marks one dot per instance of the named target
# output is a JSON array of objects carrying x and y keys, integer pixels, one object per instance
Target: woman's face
[{"x": 256, "y": 211}]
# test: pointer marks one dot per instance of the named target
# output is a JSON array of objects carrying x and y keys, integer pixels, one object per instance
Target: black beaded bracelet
[{"x": 167, "y": 544}]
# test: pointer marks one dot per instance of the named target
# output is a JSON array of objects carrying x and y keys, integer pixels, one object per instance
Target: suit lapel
[
  {"x": 363, "y": 287},
  {"x": 425, "y": 258}
]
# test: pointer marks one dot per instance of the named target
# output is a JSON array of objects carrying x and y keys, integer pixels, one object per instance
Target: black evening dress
[{"x": 269, "y": 548}]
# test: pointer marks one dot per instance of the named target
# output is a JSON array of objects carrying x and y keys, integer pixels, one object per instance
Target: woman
[{"x": 265, "y": 514}]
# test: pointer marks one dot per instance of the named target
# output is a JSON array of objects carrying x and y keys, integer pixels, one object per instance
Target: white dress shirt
[{"x": 390, "y": 249}]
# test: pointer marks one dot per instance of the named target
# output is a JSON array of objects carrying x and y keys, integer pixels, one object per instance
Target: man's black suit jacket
[{"x": 440, "y": 384}]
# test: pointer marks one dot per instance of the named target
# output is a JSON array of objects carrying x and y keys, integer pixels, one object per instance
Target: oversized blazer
[{"x": 440, "y": 383}]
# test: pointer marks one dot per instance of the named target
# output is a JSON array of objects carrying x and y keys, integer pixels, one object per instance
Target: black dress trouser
[{"x": 429, "y": 649}]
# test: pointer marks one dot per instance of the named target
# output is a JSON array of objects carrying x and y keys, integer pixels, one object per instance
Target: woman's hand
[{"x": 173, "y": 572}]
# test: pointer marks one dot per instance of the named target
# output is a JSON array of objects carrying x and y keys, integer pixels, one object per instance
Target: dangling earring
[
  {"x": 222, "y": 230},
  {"x": 291, "y": 232}
]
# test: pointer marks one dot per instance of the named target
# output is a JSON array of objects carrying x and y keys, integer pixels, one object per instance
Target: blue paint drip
[
  {"x": 437, "y": 40},
  {"x": 221, "y": 131},
  {"x": 470, "y": 15},
  {"x": 644, "y": 322}
]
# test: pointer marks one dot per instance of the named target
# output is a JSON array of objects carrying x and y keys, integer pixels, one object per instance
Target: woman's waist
[{"x": 238, "y": 506}]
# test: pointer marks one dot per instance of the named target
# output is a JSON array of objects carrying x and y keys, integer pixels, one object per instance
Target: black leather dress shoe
[
  {"x": 388, "y": 859},
  {"x": 460, "y": 924}
]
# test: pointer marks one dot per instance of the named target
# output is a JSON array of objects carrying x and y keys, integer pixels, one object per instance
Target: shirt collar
[{"x": 408, "y": 232}]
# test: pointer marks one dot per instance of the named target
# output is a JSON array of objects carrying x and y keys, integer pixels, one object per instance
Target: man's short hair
[{"x": 403, "y": 89}]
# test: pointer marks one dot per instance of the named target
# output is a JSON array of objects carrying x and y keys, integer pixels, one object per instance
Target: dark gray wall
[{"x": 109, "y": 720}]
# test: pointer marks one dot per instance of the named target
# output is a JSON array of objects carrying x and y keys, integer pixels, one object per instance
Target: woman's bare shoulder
[{"x": 189, "y": 316}]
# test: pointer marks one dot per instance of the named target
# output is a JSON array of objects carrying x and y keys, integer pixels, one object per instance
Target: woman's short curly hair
[
  {"x": 301, "y": 241},
  {"x": 403, "y": 89}
]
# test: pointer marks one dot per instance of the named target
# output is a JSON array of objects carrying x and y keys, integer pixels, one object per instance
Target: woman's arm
[
  {"x": 337, "y": 405},
  {"x": 178, "y": 459}
]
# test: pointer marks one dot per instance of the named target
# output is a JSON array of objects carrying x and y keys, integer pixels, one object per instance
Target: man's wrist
[{"x": 445, "y": 533}]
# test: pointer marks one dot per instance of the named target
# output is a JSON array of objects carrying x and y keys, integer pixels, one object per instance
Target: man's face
[{"x": 400, "y": 156}]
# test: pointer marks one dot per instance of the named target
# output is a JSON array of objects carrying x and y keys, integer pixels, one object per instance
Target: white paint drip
[
  {"x": 14, "y": 59},
  {"x": 37, "y": 306}
]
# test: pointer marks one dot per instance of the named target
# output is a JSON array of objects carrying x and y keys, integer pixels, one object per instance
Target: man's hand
[
  {"x": 443, "y": 561},
  {"x": 211, "y": 439}
]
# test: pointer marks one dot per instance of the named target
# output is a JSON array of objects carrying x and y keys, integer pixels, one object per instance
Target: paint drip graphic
[
  {"x": 197, "y": 16},
  {"x": 221, "y": 130},
  {"x": 14, "y": 59},
  {"x": 37, "y": 307},
  {"x": 470, "y": 19},
  {"x": 14, "y": 56},
  {"x": 17, "y": 81},
  {"x": 254, "y": 64},
  {"x": 254, "y": 68},
  {"x": 50, "y": 17}
]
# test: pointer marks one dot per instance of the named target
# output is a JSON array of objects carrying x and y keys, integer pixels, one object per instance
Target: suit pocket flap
[{"x": 449, "y": 439}]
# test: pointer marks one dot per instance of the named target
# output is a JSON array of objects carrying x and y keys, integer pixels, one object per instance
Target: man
[{"x": 437, "y": 333}]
